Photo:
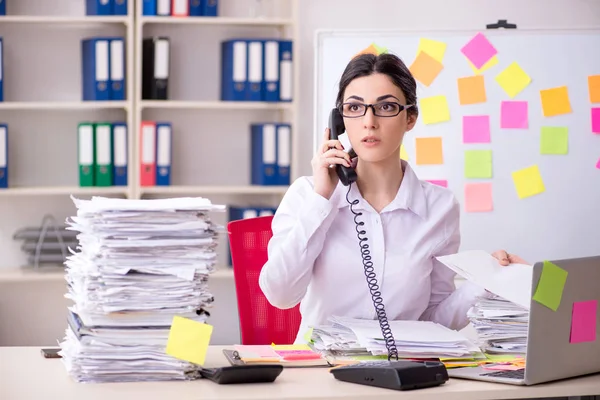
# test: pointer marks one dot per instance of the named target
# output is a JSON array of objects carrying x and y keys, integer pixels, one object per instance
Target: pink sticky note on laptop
[
  {"x": 583, "y": 321},
  {"x": 479, "y": 50}
]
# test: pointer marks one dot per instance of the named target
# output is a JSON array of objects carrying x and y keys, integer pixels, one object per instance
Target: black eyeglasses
[{"x": 383, "y": 109}]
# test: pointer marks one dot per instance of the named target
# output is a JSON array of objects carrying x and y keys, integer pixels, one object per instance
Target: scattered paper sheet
[
  {"x": 471, "y": 90},
  {"x": 555, "y": 101},
  {"x": 513, "y": 79},
  {"x": 435, "y": 109},
  {"x": 514, "y": 115},
  {"x": 476, "y": 129},
  {"x": 550, "y": 287},
  {"x": 554, "y": 140},
  {"x": 478, "y": 197},
  {"x": 479, "y": 50},
  {"x": 434, "y": 48},
  {"x": 583, "y": 321},
  {"x": 429, "y": 150},
  {"x": 594, "y": 88},
  {"x": 403, "y": 152},
  {"x": 189, "y": 340},
  {"x": 439, "y": 182},
  {"x": 512, "y": 282},
  {"x": 425, "y": 68},
  {"x": 478, "y": 164},
  {"x": 478, "y": 71},
  {"x": 596, "y": 120},
  {"x": 528, "y": 181}
]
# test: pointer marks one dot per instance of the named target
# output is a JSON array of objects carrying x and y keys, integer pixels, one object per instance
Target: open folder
[{"x": 287, "y": 355}]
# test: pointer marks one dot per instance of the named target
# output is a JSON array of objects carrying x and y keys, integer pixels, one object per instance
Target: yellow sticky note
[
  {"x": 434, "y": 48},
  {"x": 425, "y": 68},
  {"x": 308, "y": 335},
  {"x": 471, "y": 90},
  {"x": 429, "y": 150},
  {"x": 528, "y": 181},
  {"x": 403, "y": 152},
  {"x": 435, "y": 109},
  {"x": 594, "y": 88},
  {"x": 492, "y": 62},
  {"x": 189, "y": 340},
  {"x": 555, "y": 101},
  {"x": 513, "y": 79}
]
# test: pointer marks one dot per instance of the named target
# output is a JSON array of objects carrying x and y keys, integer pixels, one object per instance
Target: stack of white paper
[
  {"x": 413, "y": 339},
  {"x": 137, "y": 265},
  {"x": 501, "y": 319}
]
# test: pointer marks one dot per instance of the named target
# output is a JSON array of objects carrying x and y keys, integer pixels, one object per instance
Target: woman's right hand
[{"x": 330, "y": 154}]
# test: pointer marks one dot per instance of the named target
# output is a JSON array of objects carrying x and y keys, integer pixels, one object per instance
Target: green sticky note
[
  {"x": 550, "y": 287},
  {"x": 308, "y": 335},
  {"x": 554, "y": 140},
  {"x": 478, "y": 164}
]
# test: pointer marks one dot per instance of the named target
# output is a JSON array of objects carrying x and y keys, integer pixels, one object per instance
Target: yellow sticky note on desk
[
  {"x": 434, "y": 48},
  {"x": 435, "y": 109},
  {"x": 528, "y": 181},
  {"x": 189, "y": 340},
  {"x": 513, "y": 79}
]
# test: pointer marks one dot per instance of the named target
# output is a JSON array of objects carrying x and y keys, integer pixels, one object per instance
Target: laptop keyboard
[{"x": 516, "y": 374}]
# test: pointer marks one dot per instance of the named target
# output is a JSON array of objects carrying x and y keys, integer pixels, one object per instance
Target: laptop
[{"x": 550, "y": 356}]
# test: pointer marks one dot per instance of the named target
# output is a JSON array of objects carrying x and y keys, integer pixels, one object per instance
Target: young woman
[{"x": 316, "y": 252}]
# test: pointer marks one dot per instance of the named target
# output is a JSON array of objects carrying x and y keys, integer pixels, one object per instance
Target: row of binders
[
  {"x": 271, "y": 145},
  {"x": 181, "y": 8},
  {"x": 102, "y": 153},
  {"x": 3, "y": 156},
  {"x": 257, "y": 70},
  {"x": 105, "y": 7},
  {"x": 156, "y": 153},
  {"x": 103, "y": 69}
]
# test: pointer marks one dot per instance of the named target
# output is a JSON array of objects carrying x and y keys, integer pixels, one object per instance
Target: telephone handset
[{"x": 347, "y": 175}]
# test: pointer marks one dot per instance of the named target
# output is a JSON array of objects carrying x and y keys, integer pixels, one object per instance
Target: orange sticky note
[
  {"x": 478, "y": 197},
  {"x": 594, "y": 88},
  {"x": 471, "y": 90},
  {"x": 555, "y": 101},
  {"x": 188, "y": 340},
  {"x": 425, "y": 68},
  {"x": 429, "y": 150}
]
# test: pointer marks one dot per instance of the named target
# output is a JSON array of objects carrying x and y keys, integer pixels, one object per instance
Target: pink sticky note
[
  {"x": 513, "y": 115},
  {"x": 583, "y": 321},
  {"x": 479, "y": 50},
  {"x": 439, "y": 182},
  {"x": 259, "y": 351},
  {"x": 476, "y": 129},
  {"x": 598, "y": 164},
  {"x": 596, "y": 120},
  {"x": 478, "y": 197}
]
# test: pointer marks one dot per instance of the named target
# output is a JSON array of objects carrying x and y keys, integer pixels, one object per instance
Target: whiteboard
[{"x": 561, "y": 222}]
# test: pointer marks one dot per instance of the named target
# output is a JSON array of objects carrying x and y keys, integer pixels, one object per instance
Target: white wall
[{"x": 29, "y": 307}]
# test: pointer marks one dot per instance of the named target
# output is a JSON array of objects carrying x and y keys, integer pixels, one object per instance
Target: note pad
[
  {"x": 435, "y": 109},
  {"x": 596, "y": 120},
  {"x": 594, "y": 88},
  {"x": 478, "y": 71},
  {"x": 476, "y": 129},
  {"x": 584, "y": 321},
  {"x": 513, "y": 80},
  {"x": 189, "y": 340},
  {"x": 550, "y": 287}
]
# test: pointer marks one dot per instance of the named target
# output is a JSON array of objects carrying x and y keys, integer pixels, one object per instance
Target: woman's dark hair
[{"x": 388, "y": 64}]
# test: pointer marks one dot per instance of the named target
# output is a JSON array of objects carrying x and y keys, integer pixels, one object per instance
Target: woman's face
[{"x": 376, "y": 138}]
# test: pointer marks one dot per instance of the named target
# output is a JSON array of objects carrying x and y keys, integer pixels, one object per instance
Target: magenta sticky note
[
  {"x": 476, "y": 129},
  {"x": 439, "y": 182},
  {"x": 514, "y": 115},
  {"x": 583, "y": 321},
  {"x": 596, "y": 120},
  {"x": 479, "y": 50},
  {"x": 598, "y": 164}
]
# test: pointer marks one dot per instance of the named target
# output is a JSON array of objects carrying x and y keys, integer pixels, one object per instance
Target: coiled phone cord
[{"x": 386, "y": 330}]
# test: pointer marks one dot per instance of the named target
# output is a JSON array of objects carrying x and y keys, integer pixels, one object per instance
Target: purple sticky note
[
  {"x": 513, "y": 115},
  {"x": 439, "y": 182},
  {"x": 583, "y": 321},
  {"x": 596, "y": 120},
  {"x": 479, "y": 50},
  {"x": 476, "y": 129}
]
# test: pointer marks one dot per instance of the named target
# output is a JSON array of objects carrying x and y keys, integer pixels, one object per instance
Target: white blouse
[{"x": 315, "y": 258}]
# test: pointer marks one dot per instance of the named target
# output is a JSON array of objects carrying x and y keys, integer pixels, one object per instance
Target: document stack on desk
[
  {"x": 138, "y": 264},
  {"x": 501, "y": 319},
  {"x": 349, "y": 337}
]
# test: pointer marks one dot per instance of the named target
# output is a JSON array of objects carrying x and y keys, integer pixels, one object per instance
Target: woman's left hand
[{"x": 505, "y": 258}]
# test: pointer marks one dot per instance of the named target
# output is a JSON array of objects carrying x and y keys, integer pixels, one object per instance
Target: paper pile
[
  {"x": 138, "y": 264},
  {"x": 501, "y": 320},
  {"x": 349, "y": 337}
]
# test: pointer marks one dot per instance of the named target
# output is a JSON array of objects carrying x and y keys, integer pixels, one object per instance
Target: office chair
[{"x": 260, "y": 322}]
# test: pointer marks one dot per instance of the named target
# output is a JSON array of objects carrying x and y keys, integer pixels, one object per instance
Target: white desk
[{"x": 26, "y": 375}]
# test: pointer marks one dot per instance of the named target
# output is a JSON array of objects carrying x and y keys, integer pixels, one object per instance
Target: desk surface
[{"x": 25, "y": 374}]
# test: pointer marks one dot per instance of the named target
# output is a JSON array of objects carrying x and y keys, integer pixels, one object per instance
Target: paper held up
[{"x": 512, "y": 282}]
